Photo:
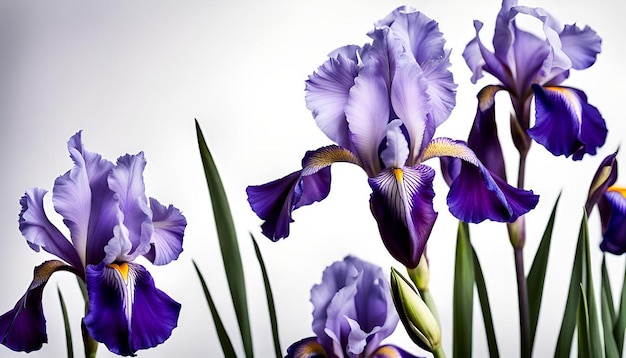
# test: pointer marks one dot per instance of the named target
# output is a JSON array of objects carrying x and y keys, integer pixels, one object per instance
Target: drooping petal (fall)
[
  {"x": 24, "y": 327},
  {"x": 126, "y": 311},
  {"x": 166, "y": 243},
  {"x": 614, "y": 215},
  {"x": 565, "y": 123},
  {"x": 306, "y": 348},
  {"x": 40, "y": 232},
  {"x": 402, "y": 204}
]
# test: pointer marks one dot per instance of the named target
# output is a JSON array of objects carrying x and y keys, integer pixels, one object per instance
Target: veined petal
[
  {"x": 39, "y": 231},
  {"x": 529, "y": 57},
  {"x": 306, "y": 348},
  {"x": 565, "y": 123},
  {"x": 390, "y": 351},
  {"x": 24, "y": 327},
  {"x": 134, "y": 228},
  {"x": 126, "y": 311},
  {"x": 274, "y": 202},
  {"x": 396, "y": 151},
  {"x": 479, "y": 58},
  {"x": 476, "y": 194},
  {"x": 166, "y": 243},
  {"x": 441, "y": 87},
  {"x": 581, "y": 45},
  {"x": 368, "y": 108},
  {"x": 402, "y": 204},
  {"x": 82, "y": 196},
  {"x": 614, "y": 235},
  {"x": 327, "y": 91}
]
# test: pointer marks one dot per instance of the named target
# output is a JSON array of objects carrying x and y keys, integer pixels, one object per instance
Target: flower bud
[
  {"x": 420, "y": 275},
  {"x": 418, "y": 320}
]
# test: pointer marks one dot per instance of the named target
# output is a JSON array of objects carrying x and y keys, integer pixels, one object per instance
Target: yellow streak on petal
[
  {"x": 312, "y": 349},
  {"x": 397, "y": 172},
  {"x": 618, "y": 189},
  {"x": 327, "y": 156},
  {"x": 444, "y": 148},
  {"x": 122, "y": 269},
  {"x": 387, "y": 352}
]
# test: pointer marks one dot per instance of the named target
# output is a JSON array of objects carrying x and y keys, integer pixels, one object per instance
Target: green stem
[
  {"x": 522, "y": 292},
  {"x": 430, "y": 302},
  {"x": 439, "y": 353}
]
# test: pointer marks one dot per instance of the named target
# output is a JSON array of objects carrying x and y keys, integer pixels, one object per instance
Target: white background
[{"x": 133, "y": 75}]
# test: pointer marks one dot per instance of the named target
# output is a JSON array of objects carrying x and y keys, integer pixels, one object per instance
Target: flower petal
[
  {"x": 166, "y": 243},
  {"x": 565, "y": 123},
  {"x": 126, "y": 311},
  {"x": 605, "y": 177},
  {"x": 402, "y": 204},
  {"x": 134, "y": 228},
  {"x": 327, "y": 92},
  {"x": 39, "y": 231},
  {"x": 581, "y": 45},
  {"x": 441, "y": 87},
  {"x": 24, "y": 327},
  {"x": 390, "y": 351},
  {"x": 306, "y": 348},
  {"x": 479, "y": 58},
  {"x": 396, "y": 149},
  {"x": 614, "y": 235},
  {"x": 83, "y": 198}
]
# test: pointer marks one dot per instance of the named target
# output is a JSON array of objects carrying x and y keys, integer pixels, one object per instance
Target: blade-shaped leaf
[
  {"x": 270, "y": 299},
  {"x": 66, "y": 324},
  {"x": 608, "y": 314},
  {"x": 595, "y": 343},
  {"x": 620, "y": 324},
  {"x": 463, "y": 296},
  {"x": 227, "y": 346},
  {"x": 566, "y": 333},
  {"x": 483, "y": 297},
  {"x": 228, "y": 242},
  {"x": 584, "y": 339},
  {"x": 537, "y": 274}
]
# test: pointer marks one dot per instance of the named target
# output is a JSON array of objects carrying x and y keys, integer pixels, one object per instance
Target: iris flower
[
  {"x": 353, "y": 313},
  {"x": 111, "y": 223},
  {"x": 529, "y": 66},
  {"x": 381, "y": 103},
  {"x": 611, "y": 201}
]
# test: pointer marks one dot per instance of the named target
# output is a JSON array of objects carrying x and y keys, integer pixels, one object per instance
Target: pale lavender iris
[
  {"x": 111, "y": 222},
  {"x": 353, "y": 313},
  {"x": 381, "y": 103},
  {"x": 529, "y": 66}
]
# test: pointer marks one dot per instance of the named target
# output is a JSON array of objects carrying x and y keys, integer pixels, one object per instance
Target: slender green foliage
[
  {"x": 227, "y": 346},
  {"x": 228, "y": 242},
  {"x": 483, "y": 298},
  {"x": 620, "y": 324},
  {"x": 463, "y": 296},
  {"x": 66, "y": 325},
  {"x": 607, "y": 309},
  {"x": 270, "y": 299}
]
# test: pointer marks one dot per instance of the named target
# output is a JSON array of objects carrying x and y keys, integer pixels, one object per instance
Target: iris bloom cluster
[
  {"x": 111, "y": 223},
  {"x": 381, "y": 104},
  {"x": 353, "y": 313},
  {"x": 528, "y": 67},
  {"x": 611, "y": 202}
]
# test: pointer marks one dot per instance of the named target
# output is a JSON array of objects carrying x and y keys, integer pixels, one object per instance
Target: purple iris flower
[
  {"x": 529, "y": 66},
  {"x": 111, "y": 223},
  {"x": 353, "y": 313},
  {"x": 381, "y": 103},
  {"x": 611, "y": 201}
]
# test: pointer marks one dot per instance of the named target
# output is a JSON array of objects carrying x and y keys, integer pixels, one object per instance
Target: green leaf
[
  {"x": 584, "y": 349},
  {"x": 536, "y": 276},
  {"x": 66, "y": 324},
  {"x": 463, "y": 296},
  {"x": 595, "y": 343},
  {"x": 566, "y": 333},
  {"x": 481, "y": 288},
  {"x": 228, "y": 242},
  {"x": 270, "y": 299},
  {"x": 227, "y": 346},
  {"x": 608, "y": 314},
  {"x": 620, "y": 324}
]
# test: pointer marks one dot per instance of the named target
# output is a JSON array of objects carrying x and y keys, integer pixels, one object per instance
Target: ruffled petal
[
  {"x": 441, "y": 88},
  {"x": 479, "y": 58},
  {"x": 166, "y": 243},
  {"x": 530, "y": 53},
  {"x": 565, "y": 123},
  {"x": 614, "y": 235},
  {"x": 24, "y": 327},
  {"x": 306, "y": 348},
  {"x": 134, "y": 228},
  {"x": 476, "y": 194},
  {"x": 82, "y": 196},
  {"x": 126, "y": 311},
  {"x": 327, "y": 92},
  {"x": 402, "y": 204},
  {"x": 40, "y": 232},
  {"x": 581, "y": 45},
  {"x": 368, "y": 109}
]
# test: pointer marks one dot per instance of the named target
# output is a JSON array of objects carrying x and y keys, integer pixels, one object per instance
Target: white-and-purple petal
[
  {"x": 126, "y": 311},
  {"x": 166, "y": 243}
]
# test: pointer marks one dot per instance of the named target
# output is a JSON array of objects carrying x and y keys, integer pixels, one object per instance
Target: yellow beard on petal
[
  {"x": 618, "y": 189},
  {"x": 122, "y": 268}
]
